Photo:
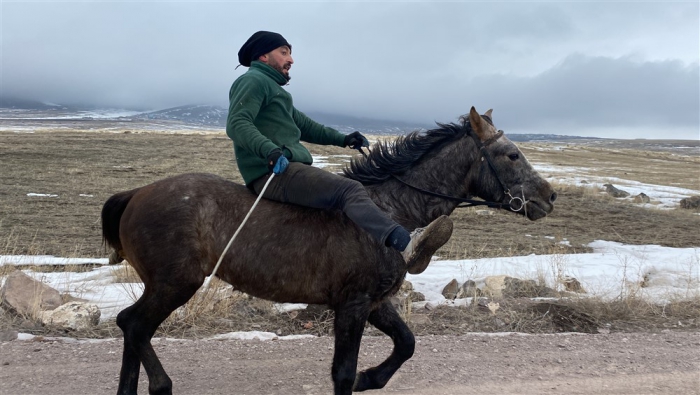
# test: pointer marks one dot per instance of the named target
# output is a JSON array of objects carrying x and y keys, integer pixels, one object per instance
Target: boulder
[
  {"x": 692, "y": 202},
  {"x": 642, "y": 198},
  {"x": 27, "y": 296},
  {"x": 614, "y": 192},
  {"x": 573, "y": 285},
  {"x": 470, "y": 290},
  {"x": 511, "y": 287},
  {"x": 406, "y": 291},
  {"x": 417, "y": 297},
  {"x": 451, "y": 290},
  {"x": 406, "y": 295},
  {"x": 72, "y": 315}
]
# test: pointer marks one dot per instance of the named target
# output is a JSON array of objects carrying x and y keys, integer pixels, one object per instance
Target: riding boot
[{"x": 424, "y": 242}]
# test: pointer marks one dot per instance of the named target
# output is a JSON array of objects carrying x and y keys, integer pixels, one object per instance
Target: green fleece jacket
[{"x": 261, "y": 118}]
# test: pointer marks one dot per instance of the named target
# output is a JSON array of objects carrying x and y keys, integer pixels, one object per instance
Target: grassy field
[{"x": 75, "y": 172}]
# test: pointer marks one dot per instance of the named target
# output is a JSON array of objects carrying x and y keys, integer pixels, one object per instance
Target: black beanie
[{"x": 259, "y": 44}]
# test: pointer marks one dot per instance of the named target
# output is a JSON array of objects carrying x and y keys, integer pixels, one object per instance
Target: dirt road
[{"x": 619, "y": 363}]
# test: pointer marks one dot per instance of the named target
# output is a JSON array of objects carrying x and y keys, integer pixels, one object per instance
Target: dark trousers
[{"x": 313, "y": 187}]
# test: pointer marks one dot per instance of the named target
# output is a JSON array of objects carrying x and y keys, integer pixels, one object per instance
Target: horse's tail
[{"x": 111, "y": 216}]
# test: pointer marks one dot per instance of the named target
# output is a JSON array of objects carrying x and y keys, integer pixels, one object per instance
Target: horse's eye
[{"x": 514, "y": 157}]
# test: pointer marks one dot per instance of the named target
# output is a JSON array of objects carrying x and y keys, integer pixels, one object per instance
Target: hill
[{"x": 35, "y": 114}]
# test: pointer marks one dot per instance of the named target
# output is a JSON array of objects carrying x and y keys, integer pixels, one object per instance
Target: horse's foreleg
[
  {"x": 349, "y": 325},
  {"x": 387, "y": 319}
]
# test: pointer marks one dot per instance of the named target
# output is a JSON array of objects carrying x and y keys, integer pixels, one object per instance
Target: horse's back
[{"x": 283, "y": 253}]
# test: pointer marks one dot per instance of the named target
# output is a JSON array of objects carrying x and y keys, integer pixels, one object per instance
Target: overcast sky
[{"x": 607, "y": 69}]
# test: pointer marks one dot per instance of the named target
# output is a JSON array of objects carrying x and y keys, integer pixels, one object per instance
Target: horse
[{"x": 173, "y": 231}]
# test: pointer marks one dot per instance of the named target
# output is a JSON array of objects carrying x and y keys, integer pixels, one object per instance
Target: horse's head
[{"x": 504, "y": 174}]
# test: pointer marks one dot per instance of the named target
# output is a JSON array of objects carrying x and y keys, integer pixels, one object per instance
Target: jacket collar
[{"x": 269, "y": 71}]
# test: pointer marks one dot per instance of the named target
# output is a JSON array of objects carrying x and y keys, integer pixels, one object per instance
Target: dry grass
[{"x": 99, "y": 164}]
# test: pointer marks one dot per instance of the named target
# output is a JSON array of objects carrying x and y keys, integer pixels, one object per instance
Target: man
[{"x": 266, "y": 131}]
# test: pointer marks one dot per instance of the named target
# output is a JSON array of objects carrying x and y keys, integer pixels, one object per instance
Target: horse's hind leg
[
  {"x": 387, "y": 319},
  {"x": 129, "y": 374},
  {"x": 139, "y": 322},
  {"x": 349, "y": 324}
]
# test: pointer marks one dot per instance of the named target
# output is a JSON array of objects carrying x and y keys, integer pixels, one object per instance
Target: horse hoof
[
  {"x": 363, "y": 382},
  {"x": 434, "y": 236}
]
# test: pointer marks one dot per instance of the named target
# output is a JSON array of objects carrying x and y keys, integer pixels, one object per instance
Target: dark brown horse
[{"x": 173, "y": 231}]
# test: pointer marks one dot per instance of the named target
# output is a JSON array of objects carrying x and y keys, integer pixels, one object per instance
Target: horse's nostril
[{"x": 553, "y": 197}]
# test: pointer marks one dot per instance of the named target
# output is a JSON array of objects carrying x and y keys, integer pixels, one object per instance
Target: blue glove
[
  {"x": 277, "y": 162},
  {"x": 356, "y": 140}
]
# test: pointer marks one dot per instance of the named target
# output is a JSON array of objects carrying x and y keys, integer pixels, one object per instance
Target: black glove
[
  {"x": 356, "y": 140},
  {"x": 276, "y": 161}
]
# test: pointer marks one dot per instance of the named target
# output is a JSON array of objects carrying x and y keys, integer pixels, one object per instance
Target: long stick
[{"x": 221, "y": 258}]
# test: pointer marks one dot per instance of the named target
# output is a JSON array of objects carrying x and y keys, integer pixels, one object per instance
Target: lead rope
[{"x": 221, "y": 258}]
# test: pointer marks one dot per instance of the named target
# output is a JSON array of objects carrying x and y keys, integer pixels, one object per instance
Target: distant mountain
[
  {"x": 22, "y": 104},
  {"x": 525, "y": 137},
  {"x": 346, "y": 124},
  {"x": 214, "y": 116}
]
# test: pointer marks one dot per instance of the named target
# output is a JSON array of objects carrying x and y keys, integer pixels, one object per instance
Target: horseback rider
[{"x": 266, "y": 130}]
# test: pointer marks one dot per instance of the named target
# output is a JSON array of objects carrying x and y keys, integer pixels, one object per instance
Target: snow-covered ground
[
  {"x": 661, "y": 196},
  {"x": 610, "y": 271},
  {"x": 103, "y": 113}
]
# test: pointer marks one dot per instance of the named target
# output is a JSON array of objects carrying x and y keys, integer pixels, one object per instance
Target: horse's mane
[{"x": 395, "y": 157}]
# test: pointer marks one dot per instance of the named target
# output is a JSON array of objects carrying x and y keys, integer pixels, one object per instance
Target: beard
[{"x": 281, "y": 69}]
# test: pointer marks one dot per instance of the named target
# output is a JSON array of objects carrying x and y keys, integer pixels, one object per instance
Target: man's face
[{"x": 279, "y": 59}]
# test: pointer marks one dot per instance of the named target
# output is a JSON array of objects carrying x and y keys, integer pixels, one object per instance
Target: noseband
[{"x": 514, "y": 204}]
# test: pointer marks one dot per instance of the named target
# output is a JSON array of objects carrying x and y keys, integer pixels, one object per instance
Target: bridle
[{"x": 514, "y": 204}]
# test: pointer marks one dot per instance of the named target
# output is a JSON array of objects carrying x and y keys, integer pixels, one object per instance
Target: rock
[
  {"x": 482, "y": 304},
  {"x": 72, "y": 315},
  {"x": 470, "y": 290},
  {"x": 451, "y": 290},
  {"x": 8, "y": 335},
  {"x": 406, "y": 292},
  {"x": 642, "y": 198},
  {"x": 493, "y": 286},
  {"x": 573, "y": 285},
  {"x": 27, "y": 296},
  {"x": 430, "y": 306},
  {"x": 510, "y": 287},
  {"x": 614, "y": 192},
  {"x": 417, "y": 297},
  {"x": 690, "y": 202}
]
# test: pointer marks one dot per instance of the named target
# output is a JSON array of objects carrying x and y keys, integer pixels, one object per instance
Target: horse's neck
[{"x": 412, "y": 208}]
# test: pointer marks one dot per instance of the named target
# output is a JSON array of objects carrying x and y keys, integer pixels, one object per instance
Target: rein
[{"x": 515, "y": 204}]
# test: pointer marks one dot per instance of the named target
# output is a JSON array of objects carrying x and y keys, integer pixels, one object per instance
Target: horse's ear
[
  {"x": 479, "y": 126},
  {"x": 488, "y": 113},
  {"x": 474, "y": 116}
]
